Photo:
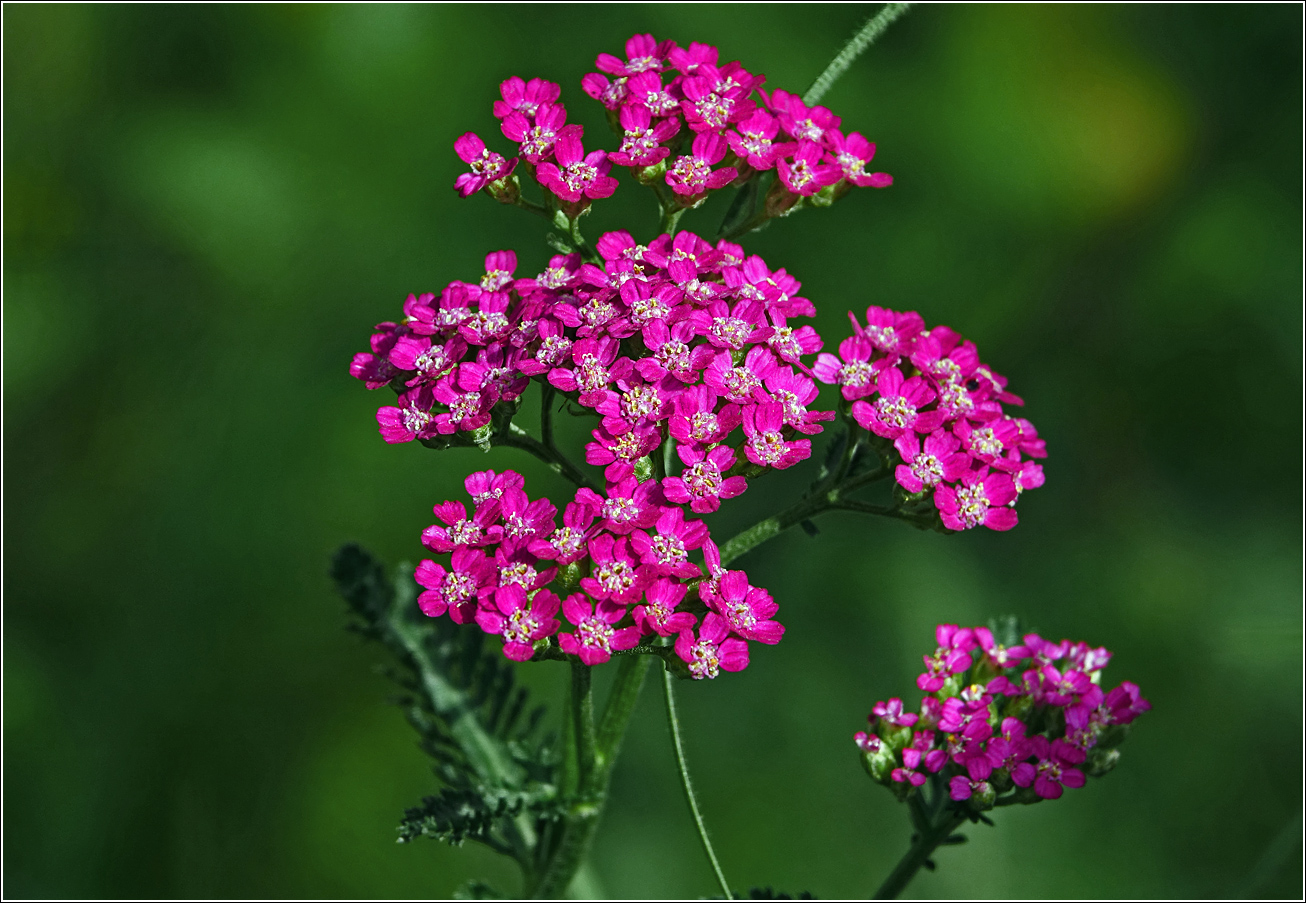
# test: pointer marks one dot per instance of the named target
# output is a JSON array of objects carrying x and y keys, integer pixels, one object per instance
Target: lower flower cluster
[
  {"x": 620, "y": 559},
  {"x": 1020, "y": 722}
]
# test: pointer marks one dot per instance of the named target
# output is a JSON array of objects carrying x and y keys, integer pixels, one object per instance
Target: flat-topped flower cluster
[
  {"x": 653, "y": 96},
  {"x": 622, "y": 559},
  {"x": 929, "y": 393},
  {"x": 995, "y": 718},
  {"x": 679, "y": 338}
]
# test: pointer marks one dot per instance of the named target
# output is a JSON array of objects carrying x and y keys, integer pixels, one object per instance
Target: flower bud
[
  {"x": 983, "y": 797},
  {"x": 506, "y": 190},
  {"x": 644, "y": 469},
  {"x": 877, "y": 758},
  {"x": 1100, "y": 761}
]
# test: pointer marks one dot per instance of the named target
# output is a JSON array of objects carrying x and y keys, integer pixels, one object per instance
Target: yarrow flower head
[
  {"x": 940, "y": 417},
  {"x": 1016, "y": 722},
  {"x": 619, "y": 570}
]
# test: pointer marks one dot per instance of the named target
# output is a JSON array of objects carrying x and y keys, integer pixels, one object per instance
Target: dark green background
[{"x": 206, "y": 209}]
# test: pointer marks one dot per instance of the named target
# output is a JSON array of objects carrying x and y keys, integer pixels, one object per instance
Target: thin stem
[
  {"x": 864, "y": 38},
  {"x": 582, "y": 713},
  {"x": 670, "y": 218},
  {"x": 689, "y": 788},
  {"x": 516, "y": 437}
]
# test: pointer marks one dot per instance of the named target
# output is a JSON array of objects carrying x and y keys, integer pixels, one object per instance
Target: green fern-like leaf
[
  {"x": 479, "y": 813},
  {"x": 461, "y": 696}
]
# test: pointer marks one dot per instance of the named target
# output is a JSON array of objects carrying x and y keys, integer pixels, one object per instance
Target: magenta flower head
[{"x": 1020, "y": 723}]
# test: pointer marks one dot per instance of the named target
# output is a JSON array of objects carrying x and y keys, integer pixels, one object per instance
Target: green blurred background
[{"x": 205, "y": 210}]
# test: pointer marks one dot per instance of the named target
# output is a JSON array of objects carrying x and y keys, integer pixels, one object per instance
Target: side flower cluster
[
  {"x": 618, "y": 570},
  {"x": 677, "y": 339},
  {"x": 683, "y": 118},
  {"x": 1027, "y": 720},
  {"x": 927, "y": 394}
]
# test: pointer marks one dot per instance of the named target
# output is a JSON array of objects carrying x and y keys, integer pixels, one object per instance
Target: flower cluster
[
  {"x": 928, "y": 393},
  {"x": 653, "y": 95},
  {"x": 679, "y": 338},
  {"x": 1031, "y": 716},
  {"x": 622, "y": 559}
]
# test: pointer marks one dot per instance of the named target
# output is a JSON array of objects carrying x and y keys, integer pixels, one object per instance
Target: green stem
[
  {"x": 582, "y": 818},
  {"x": 689, "y": 788},
  {"x": 864, "y": 38},
  {"x": 670, "y": 218},
  {"x": 582, "y": 713},
  {"x": 516, "y": 437},
  {"x": 924, "y": 843}
]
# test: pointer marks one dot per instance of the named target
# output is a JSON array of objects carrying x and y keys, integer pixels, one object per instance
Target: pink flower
[
  {"x": 702, "y": 484},
  {"x": 979, "y": 499},
  {"x": 695, "y": 419},
  {"x": 754, "y": 141},
  {"x": 486, "y": 165},
  {"x": 460, "y": 531},
  {"x": 643, "y": 54},
  {"x": 458, "y": 590},
  {"x": 616, "y": 574},
  {"x": 524, "y": 97},
  {"x": 630, "y": 504},
  {"x": 852, "y": 369},
  {"x": 799, "y": 120},
  {"x": 765, "y": 444},
  {"x": 659, "y": 615},
  {"x": 595, "y": 638},
  {"x": 747, "y": 609},
  {"x": 852, "y": 154},
  {"x": 806, "y": 172},
  {"x": 927, "y": 468},
  {"x": 891, "y": 712},
  {"x": 666, "y": 552},
  {"x": 693, "y": 175},
  {"x": 898, "y": 409},
  {"x": 537, "y": 134},
  {"x": 1054, "y": 769},
  {"x": 568, "y": 543},
  {"x": 713, "y": 650},
  {"x": 576, "y": 175},
  {"x": 520, "y": 622},
  {"x": 643, "y": 143}
]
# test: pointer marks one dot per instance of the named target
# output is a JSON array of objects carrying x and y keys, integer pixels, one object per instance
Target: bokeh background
[{"x": 207, "y": 207}]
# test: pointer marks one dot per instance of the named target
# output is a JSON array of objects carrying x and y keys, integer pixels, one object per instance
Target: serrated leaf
[{"x": 476, "y": 813}]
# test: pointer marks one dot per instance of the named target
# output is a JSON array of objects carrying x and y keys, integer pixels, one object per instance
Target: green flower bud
[{"x": 1100, "y": 761}]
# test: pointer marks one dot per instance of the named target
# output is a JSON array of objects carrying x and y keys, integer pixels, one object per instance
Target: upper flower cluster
[
  {"x": 660, "y": 98},
  {"x": 1026, "y": 716},
  {"x": 623, "y": 557},
  {"x": 928, "y": 393}
]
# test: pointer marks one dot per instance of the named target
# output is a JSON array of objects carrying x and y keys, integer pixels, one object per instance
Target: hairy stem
[
  {"x": 604, "y": 743},
  {"x": 865, "y": 37},
  {"x": 674, "y": 722}
]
